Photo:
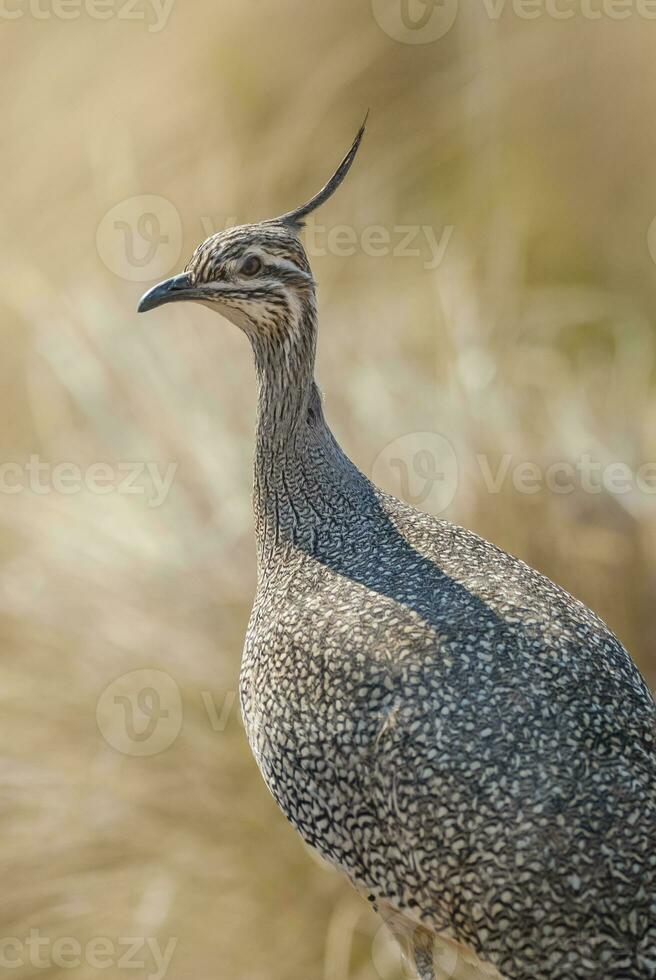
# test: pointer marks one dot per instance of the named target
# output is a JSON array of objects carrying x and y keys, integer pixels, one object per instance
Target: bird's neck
[
  {"x": 302, "y": 478},
  {"x": 285, "y": 383}
]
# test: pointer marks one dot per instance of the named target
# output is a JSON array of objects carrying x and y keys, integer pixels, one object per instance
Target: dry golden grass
[{"x": 534, "y": 337}]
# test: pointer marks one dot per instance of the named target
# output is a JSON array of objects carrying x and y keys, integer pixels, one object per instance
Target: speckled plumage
[{"x": 466, "y": 741}]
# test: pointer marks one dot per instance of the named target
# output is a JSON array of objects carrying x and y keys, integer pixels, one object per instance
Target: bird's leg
[{"x": 424, "y": 964}]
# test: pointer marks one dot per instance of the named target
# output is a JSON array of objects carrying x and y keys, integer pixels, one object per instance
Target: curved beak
[{"x": 169, "y": 291}]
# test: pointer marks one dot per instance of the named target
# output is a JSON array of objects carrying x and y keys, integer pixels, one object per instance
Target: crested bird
[{"x": 466, "y": 741}]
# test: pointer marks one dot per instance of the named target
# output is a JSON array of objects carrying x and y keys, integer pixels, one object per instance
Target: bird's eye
[{"x": 250, "y": 266}]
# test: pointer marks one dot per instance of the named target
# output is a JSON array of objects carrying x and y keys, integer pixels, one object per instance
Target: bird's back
[{"x": 467, "y": 741}]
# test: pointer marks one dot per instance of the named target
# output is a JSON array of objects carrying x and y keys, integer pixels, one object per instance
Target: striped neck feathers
[{"x": 301, "y": 475}]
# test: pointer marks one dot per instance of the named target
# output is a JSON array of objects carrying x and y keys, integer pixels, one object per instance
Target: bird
[{"x": 462, "y": 738}]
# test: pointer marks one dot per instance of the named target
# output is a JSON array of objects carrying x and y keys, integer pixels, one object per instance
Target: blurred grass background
[{"x": 535, "y": 337}]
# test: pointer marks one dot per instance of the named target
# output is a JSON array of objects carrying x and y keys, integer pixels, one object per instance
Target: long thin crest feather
[{"x": 295, "y": 219}]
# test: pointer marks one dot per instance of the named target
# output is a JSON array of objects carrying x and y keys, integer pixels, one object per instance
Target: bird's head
[{"x": 258, "y": 276}]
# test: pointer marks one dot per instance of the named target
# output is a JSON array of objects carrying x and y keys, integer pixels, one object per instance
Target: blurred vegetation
[{"x": 534, "y": 337}]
